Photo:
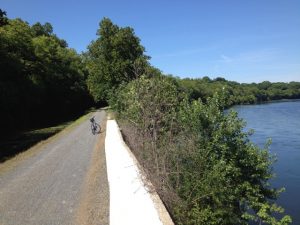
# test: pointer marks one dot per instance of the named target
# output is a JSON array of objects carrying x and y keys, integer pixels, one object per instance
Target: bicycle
[{"x": 95, "y": 127}]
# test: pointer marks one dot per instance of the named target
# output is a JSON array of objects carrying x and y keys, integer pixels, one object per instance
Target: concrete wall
[{"x": 130, "y": 202}]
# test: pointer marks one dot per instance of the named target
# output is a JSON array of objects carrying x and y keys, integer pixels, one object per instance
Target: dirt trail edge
[
  {"x": 94, "y": 203},
  {"x": 59, "y": 184}
]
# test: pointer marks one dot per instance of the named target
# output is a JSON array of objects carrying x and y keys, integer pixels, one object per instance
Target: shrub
[{"x": 199, "y": 159}]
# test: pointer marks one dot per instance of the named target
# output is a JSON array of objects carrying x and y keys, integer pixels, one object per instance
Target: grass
[{"x": 20, "y": 142}]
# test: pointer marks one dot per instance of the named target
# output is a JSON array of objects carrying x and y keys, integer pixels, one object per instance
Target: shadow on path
[{"x": 15, "y": 144}]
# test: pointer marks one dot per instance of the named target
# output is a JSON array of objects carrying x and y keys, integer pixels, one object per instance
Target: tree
[
  {"x": 41, "y": 80},
  {"x": 3, "y": 18},
  {"x": 16, "y": 55},
  {"x": 113, "y": 59},
  {"x": 40, "y": 29}
]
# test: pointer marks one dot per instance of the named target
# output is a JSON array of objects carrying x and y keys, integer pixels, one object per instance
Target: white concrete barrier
[{"x": 130, "y": 202}]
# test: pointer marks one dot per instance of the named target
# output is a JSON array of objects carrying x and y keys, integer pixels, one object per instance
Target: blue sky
[{"x": 244, "y": 41}]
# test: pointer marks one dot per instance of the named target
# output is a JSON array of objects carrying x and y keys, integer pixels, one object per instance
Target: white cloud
[
  {"x": 257, "y": 56},
  {"x": 226, "y": 59}
]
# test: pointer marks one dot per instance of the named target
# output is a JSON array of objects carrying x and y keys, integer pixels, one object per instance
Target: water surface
[{"x": 281, "y": 122}]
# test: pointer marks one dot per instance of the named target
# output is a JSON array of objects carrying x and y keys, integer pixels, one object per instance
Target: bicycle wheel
[
  {"x": 93, "y": 128},
  {"x": 97, "y": 128}
]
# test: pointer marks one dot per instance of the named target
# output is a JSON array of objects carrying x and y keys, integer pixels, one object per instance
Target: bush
[{"x": 199, "y": 159}]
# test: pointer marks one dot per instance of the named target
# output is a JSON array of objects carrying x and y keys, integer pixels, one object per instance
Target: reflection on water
[{"x": 281, "y": 122}]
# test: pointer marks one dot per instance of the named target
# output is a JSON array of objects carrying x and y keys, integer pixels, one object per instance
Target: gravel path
[{"x": 64, "y": 181}]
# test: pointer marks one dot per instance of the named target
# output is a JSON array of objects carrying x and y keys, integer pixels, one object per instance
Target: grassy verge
[{"x": 13, "y": 145}]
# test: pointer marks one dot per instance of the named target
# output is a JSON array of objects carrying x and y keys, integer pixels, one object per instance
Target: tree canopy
[
  {"x": 113, "y": 58},
  {"x": 240, "y": 93},
  {"x": 42, "y": 81},
  {"x": 3, "y": 18}
]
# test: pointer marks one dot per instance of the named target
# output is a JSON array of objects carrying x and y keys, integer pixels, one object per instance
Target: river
[{"x": 279, "y": 121}]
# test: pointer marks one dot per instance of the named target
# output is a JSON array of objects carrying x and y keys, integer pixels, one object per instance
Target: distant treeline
[
  {"x": 240, "y": 93},
  {"x": 42, "y": 81}
]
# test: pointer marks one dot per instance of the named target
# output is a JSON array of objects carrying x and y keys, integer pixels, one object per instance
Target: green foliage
[
  {"x": 115, "y": 57},
  {"x": 135, "y": 101},
  {"x": 39, "y": 29},
  {"x": 41, "y": 80},
  {"x": 200, "y": 160},
  {"x": 3, "y": 18},
  {"x": 240, "y": 93},
  {"x": 230, "y": 173}
]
